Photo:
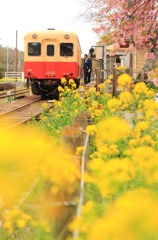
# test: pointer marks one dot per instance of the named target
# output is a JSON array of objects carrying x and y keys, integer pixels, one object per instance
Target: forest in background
[{"x": 8, "y": 58}]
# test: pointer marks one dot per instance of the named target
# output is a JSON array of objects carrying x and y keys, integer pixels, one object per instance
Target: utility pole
[
  {"x": 7, "y": 61},
  {"x": 114, "y": 91},
  {"x": 129, "y": 2},
  {"x": 16, "y": 54},
  {"x": 131, "y": 57},
  {"x": 104, "y": 62}
]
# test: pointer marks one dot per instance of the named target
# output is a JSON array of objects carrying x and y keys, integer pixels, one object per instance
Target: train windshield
[
  {"x": 66, "y": 49},
  {"x": 50, "y": 50},
  {"x": 34, "y": 49}
]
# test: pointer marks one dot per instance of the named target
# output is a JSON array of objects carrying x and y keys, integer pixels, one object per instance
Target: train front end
[{"x": 49, "y": 56}]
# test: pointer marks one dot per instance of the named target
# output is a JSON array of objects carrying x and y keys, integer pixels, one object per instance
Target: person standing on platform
[{"x": 87, "y": 68}]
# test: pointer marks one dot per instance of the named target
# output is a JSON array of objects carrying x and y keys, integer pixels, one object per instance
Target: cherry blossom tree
[{"x": 128, "y": 19}]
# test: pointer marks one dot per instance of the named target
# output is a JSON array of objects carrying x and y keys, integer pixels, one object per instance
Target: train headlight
[
  {"x": 34, "y": 36},
  {"x": 67, "y": 36},
  {"x": 29, "y": 72}
]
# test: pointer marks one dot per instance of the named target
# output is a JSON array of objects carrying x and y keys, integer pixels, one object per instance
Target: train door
[
  {"x": 66, "y": 51},
  {"x": 50, "y": 57}
]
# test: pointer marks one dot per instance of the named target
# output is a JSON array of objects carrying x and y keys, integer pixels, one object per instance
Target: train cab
[{"x": 49, "y": 56}]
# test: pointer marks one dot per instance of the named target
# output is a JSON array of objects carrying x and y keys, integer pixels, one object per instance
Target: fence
[
  {"x": 14, "y": 76},
  {"x": 72, "y": 137}
]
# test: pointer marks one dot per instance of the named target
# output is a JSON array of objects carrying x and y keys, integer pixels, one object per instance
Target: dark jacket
[{"x": 87, "y": 65}]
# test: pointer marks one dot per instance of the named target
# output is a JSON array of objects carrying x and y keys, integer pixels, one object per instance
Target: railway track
[
  {"x": 22, "y": 113},
  {"x": 15, "y": 93},
  {"x": 15, "y": 113}
]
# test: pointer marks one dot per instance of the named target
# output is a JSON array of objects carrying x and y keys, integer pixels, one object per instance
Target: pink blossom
[
  {"x": 126, "y": 18},
  {"x": 150, "y": 56}
]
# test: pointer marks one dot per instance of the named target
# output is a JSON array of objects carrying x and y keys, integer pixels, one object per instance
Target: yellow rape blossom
[
  {"x": 126, "y": 100},
  {"x": 147, "y": 140},
  {"x": 156, "y": 105},
  {"x": 51, "y": 110},
  {"x": 150, "y": 93},
  {"x": 75, "y": 224},
  {"x": 148, "y": 104},
  {"x": 97, "y": 94},
  {"x": 21, "y": 223},
  {"x": 16, "y": 218},
  {"x": 77, "y": 96},
  {"x": 133, "y": 216},
  {"x": 140, "y": 88},
  {"x": 141, "y": 126},
  {"x": 67, "y": 90},
  {"x": 70, "y": 172},
  {"x": 101, "y": 86},
  {"x": 124, "y": 81},
  {"x": 74, "y": 85},
  {"x": 145, "y": 158},
  {"x": 107, "y": 95},
  {"x": 150, "y": 113},
  {"x": 121, "y": 68},
  {"x": 109, "y": 175},
  {"x": 94, "y": 104},
  {"x": 91, "y": 129},
  {"x": 79, "y": 150},
  {"x": 76, "y": 111},
  {"x": 60, "y": 89},
  {"x": 112, "y": 129},
  {"x": 45, "y": 105},
  {"x": 92, "y": 90},
  {"x": 15, "y": 161},
  {"x": 113, "y": 104},
  {"x": 71, "y": 81},
  {"x": 97, "y": 113},
  {"x": 44, "y": 118},
  {"x": 110, "y": 77},
  {"x": 113, "y": 149},
  {"x": 87, "y": 207},
  {"x": 108, "y": 81},
  {"x": 63, "y": 81}
]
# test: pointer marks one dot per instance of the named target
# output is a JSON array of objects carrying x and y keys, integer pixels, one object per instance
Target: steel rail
[
  {"x": 14, "y": 93},
  {"x": 21, "y": 115},
  {"x": 19, "y": 107},
  {"x": 82, "y": 183}
]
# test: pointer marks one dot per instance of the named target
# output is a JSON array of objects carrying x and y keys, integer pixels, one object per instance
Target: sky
[{"x": 30, "y": 15}]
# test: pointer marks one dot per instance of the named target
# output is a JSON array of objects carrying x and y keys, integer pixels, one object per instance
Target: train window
[
  {"x": 50, "y": 50},
  {"x": 66, "y": 49},
  {"x": 34, "y": 49}
]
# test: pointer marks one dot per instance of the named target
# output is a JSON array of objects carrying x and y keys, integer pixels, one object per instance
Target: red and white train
[{"x": 49, "y": 56}]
